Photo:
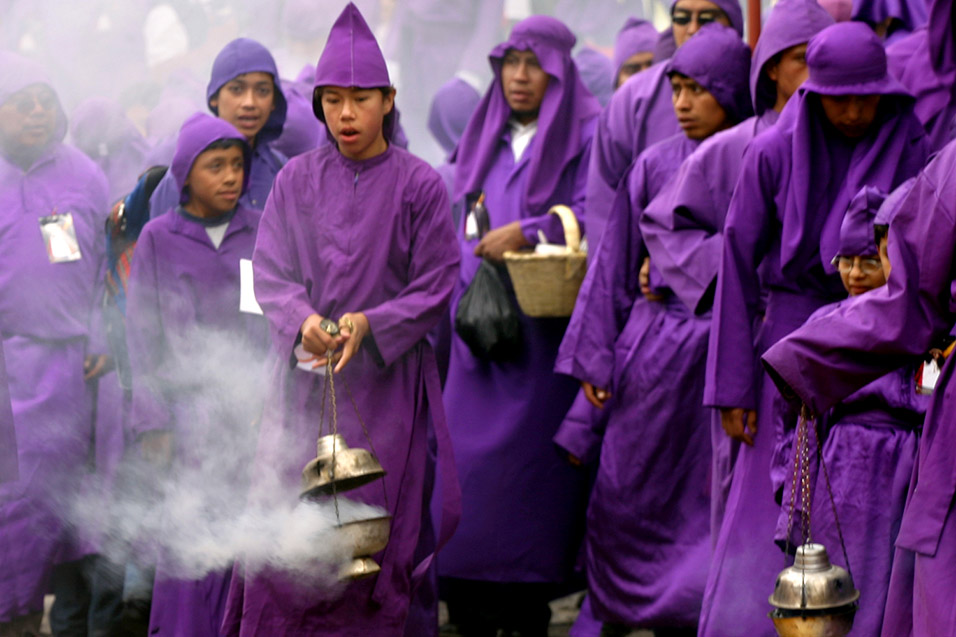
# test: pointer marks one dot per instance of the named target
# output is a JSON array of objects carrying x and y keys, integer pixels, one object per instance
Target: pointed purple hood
[
  {"x": 197, "y": 133},
  {"x": 243, "y": 55},
  {"x": 717, "y": 59},
  {"x": 856, "y": 232},
  {"x": 791, "y": 22},
  {"x": 352, "y": 57},
  {"x": 17, "y": 73},
  {"x": 566, "y": 112},
  {"x": 636, "y": 36}
]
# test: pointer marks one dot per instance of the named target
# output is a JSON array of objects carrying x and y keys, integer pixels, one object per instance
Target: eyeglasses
[
  {"x": 24, "y": 103},
  {"x": 868, "y": 265},
  {"x": 683, "y": 17}
]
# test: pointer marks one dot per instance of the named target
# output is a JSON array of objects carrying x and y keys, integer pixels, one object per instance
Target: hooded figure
[
  {"x": 639, "y": 114},
  {"x": 448, "y": 117},
  {"x": 829, "y": 359},
  {"x": 635, "y": 37},
  {"x": 102, "y": 131},
  {"x": 239, "y": 57},
  {"x": 596, "y": 73},
  {"x": 183, "y": 303},
  {"x": 520, "y": 535},
  {"x": 683, "y": 226},
  {"x": 647, "y": 554},
  {"x": 50, "y": 275},
  {"x": 368, "y": 240},
  {"x": 795, "y": 184},
  {"x": 892, "y": 19}
]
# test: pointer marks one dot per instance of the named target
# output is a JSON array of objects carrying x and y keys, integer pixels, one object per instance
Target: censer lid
[
  {"x": 352, "y": 468},
  {"x": 813, "y": 583}
]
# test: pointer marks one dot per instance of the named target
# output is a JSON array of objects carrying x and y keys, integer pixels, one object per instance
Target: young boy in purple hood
[
  {"x": 54, "y": 205},
  {"x": 647, "y": 539},
  {"x": 244, "y": 90},
  {"x": 358, "y": 231}
]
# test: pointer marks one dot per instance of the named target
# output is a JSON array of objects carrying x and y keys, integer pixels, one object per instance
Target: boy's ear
[
  {"x": 390, "y": 101},
  {"x": 214, "y": 101}
]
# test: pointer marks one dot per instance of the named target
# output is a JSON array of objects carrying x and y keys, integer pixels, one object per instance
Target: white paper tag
[
  {"x": 927, "y": 378},
  {"x": 59, "y": 235},
  {"x": 247, "y": 292},
  {"x": 306, "y": 361},
  {"x": 471, "y": 227}
]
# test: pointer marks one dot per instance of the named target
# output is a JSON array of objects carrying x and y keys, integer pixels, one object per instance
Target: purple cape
[{"x": 567, "y": 112}]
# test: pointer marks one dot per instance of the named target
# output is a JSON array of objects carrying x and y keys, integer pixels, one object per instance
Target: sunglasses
[
  {"x": 24, "y": 103},
  {"x": 682, "y": 17}
]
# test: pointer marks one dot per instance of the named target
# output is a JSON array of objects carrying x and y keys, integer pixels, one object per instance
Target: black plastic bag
[{"x": 487, "y": 319}]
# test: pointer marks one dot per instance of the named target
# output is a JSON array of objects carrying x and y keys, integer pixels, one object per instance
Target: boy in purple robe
[
  {"x": 54, "y": 205},
  {"x": 633, "y": 340},
  {"x": 683, "y": 227},
  {"x": 357, "y": 231},
  {"x": 633, "y": 49},
  {"x": 864, "y": 339},
  {"x": 244, "y": 90},
  {"x": 183, "y": 290},
  {"x": 526, "y": 148},
  {"x": 640, "y": 113},
  {"x": 850, "y": 125},
  {"x": 870, "y": 441}
]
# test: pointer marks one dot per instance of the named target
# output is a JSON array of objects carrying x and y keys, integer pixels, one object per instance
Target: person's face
[
  {"x": 246, "y": 101},
  {"x": 355, "y": 117},
  {"x": 688, "y": 16},
  {"x": 524, "y": 83},
  {"x": 852, "y": 115},
  {"x": 698, "y": 113},
  {"x": 790, "y": 71},
  {"x": 634, "y": 65},
  {"x": 215, "y": 181},
  {"x": 885, "y": 257},
  {"x": 28, "y": 119},
  {"x": 860, "y": 273}
]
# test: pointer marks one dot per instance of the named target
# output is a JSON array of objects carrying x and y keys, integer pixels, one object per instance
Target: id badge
[
  {"x": 59, "y": 235},
  {"x": 927, "y": 377},
  {"x": 247, "y": 293}
]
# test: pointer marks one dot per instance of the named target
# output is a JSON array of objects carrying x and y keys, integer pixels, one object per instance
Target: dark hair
[
  {"x": 880, "y": 231},
  {"x": 225, "y": 144}
]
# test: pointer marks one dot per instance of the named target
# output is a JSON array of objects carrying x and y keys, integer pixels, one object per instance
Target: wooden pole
[{"x": 753, "y": 22}]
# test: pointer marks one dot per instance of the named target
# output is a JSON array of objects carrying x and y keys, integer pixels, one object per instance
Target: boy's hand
[
  {"x": 317, "y": 341},
  {"x": 501, "y": 240},
  {"x": 595, "y": 395},
  {"x": 353, "y": 326}
]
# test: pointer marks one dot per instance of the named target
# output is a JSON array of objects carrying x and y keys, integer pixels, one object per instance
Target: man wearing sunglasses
[{"x": 641, "y": 112}]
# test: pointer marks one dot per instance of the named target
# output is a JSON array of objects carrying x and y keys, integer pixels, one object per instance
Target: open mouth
[{"x": 348, "y": 135}]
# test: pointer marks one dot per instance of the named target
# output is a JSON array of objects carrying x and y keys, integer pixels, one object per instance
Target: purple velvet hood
[
  {"x": 846, "y": 58},
  {"x": 636, "y": 36},
  {"x": 450, "y": 110},
  {"x": 856, "y": 232},
  {"x": 717, "y": 59},
  {"x": 566, "y": 111},
  {"x": 791, "y": 22},
  {"x": 243, "y": 55},
  {"x": 17, "y": 73},
  {"x": 197, "y": 133}
]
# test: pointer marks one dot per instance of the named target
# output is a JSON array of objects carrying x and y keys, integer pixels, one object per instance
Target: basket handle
[{"x": 572, "y": 231}]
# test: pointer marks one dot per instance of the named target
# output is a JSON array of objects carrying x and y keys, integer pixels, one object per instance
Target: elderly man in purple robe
[
  {"x": 850, "y": 125},
  {"x": 683, "y": 226},
  {"x": 183, "y": 302},
  {"x": 359, "y": 232},
  {"x": 640, "y": 112},
  {"x": 630, "y": 336},
  {"x": 633, "y": 49},
  {"x": 244, "y": 89},
  {"x": 55, "y": 203},
  {"x": 871, "y": 436},
  {"x": 825, "y": 361},
  {"x": 526, "y": 148}
]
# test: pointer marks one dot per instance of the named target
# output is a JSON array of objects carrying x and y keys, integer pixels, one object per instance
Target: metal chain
[
  {"x": 836, "y": 520},
  {"x": 794, "y": 486},
  {"x": 330, "y": 384},
  {"x": 807, "y": 496},
  {"x": 368, "y": 438}
]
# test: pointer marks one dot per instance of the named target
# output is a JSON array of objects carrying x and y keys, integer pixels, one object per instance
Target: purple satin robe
[
  {"x": 343, "y": 236},
  {"x": 873, "y": 334},
  {"x": 46, "y": 311},
  {"x": 784, "y": 221}
]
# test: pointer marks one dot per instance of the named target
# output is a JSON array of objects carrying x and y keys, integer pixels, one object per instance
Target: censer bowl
[
  {"x": 360, "y": 568},
  {"x": 353, "y": 468},
  {"x": 368, "y": 536},
  {"x": 813, "y": 598},
  {"x": 830, "y": 623}
]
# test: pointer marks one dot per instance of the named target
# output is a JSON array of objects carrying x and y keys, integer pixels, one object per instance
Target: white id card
[
  {"x": 247, "y": 292},
  {"x": 59, "y": 235}
]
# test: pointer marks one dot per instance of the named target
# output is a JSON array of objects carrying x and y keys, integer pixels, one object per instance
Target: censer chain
[{"x": 836, "y": 519}]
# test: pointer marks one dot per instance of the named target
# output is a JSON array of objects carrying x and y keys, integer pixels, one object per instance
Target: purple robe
[
  {"x": 242, "y": 55},
  {"x": 639, "y": 114},
  {"x": 683, "y": 227},
  {"x": 8, "y": 435},
  {"x": 521, "y": 499},
  {"x": 46, "y": 310},
  {"x": 784, "y": 219},
  {"x": 873, "y": 334}
]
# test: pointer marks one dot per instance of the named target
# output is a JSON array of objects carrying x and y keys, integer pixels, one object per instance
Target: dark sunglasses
[
  {"x": 683, "y": 17},
  {"x": 25, "y": 102}
]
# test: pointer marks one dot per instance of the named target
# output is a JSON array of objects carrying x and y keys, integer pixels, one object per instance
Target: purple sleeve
[
  {"x": 731, "y": 364},
  {"x": 278, "y": 278},
  {"x": 399, "y": 323},
  {"x": 551, "y": 225},
  {"x": 829, "y": 358},
  {"x": 582, "y": 430},
  {"x": 145, "y": 341}
]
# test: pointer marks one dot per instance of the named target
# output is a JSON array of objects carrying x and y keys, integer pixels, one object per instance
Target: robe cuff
[{"x": 577, "y": 434}]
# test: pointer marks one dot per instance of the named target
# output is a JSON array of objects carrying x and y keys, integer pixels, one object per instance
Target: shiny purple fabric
[
  {"x": 198, "y": 132},
  {"x": 719, "y": 61},
  {"x": 567, "y": 113},
  {"x": 636, "y": 36},
  {"x": 856, "y": 231},
  {"x": 879, "y": 331},
  {"x": 791, "y": 22}
]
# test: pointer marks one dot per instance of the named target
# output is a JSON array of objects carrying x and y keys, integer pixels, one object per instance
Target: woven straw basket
[{"x": 547, "y": 284}]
